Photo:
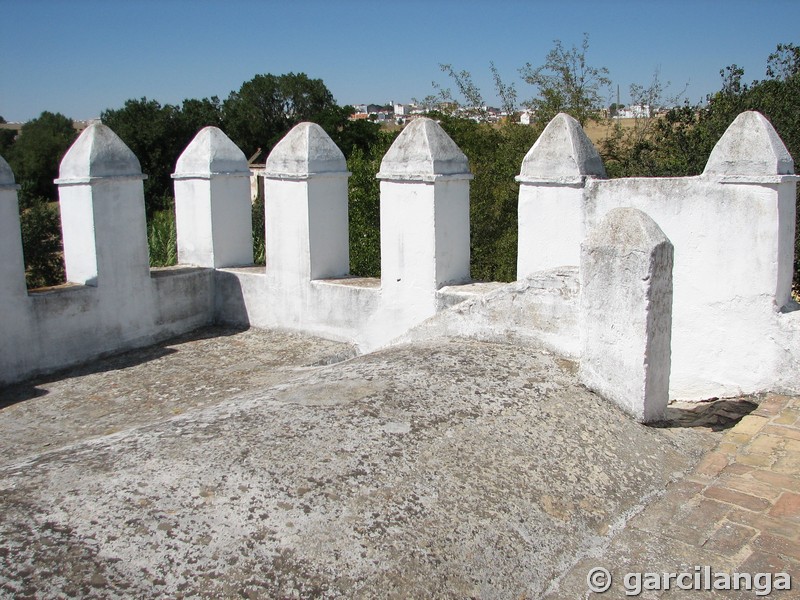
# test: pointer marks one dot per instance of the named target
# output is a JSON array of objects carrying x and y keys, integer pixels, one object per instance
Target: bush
[
  {"x": 40, "y": 222},
  {"x": 162, "y": 239}
]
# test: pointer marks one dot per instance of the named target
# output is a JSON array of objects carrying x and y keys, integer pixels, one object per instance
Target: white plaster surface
[
  {"x": 733, "y": 234},
  {"x": 541, "y": 243},
  {"x": 750, "y": 146},
  {"x": 423, "y": 150},
  {"x": 562, "y": 153},
  {"x": 15, "y": 319},
  {"x": 98, "y": 152},
  {"x": 305, "y": 150},
  {"x": 625, "y": 313},
  {"x": 211, "y": 152},
  {"x": 212, "y": 207}
]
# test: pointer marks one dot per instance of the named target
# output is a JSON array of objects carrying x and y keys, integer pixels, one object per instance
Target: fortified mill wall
[{"x": 663, "y": 288}]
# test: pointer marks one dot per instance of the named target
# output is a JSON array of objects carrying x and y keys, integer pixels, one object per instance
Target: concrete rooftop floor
[{"x": 266, "y": 464}]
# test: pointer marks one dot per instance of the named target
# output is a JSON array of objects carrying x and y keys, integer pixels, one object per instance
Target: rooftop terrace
[{"x": 260, "y": 463}]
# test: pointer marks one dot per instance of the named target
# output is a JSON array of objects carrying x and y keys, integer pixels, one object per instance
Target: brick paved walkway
[
  {"x": 738, "y": 511},
  {"x": 752, "y": 484}
]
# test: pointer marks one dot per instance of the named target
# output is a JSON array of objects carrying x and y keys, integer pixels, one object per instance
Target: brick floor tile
[
  {"x": 756, "y": 460},
  {"x": 734, "y": 437},
  {"x": 773, "y": 544},
  {"x": 730, "y": 538},
  {"x": 771, "y": 406},
  {"x": 763, "y": 522},
  {"x": 766, "y": 444},
  {"x": 787, "y": 507},
  {"x": 738, "y": 469},
  {"x": 792, "y": 446},
  {"x": 783, "y": 430},
  {"x": 696, "y": 523},
  {"x": 725, "y": 494},
  {"x": 750, "y": 425},
  {"x": 711, "y": 465},
  {"x": 762, "y": 562},
  {"x": 787, "y": 465},
  {"x": 750, "y": 486},
  {"x": 787, "y": 419},
  {"x": 781, "y": 480}
]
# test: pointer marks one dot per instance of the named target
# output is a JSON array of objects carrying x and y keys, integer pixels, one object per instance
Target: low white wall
[
  {"x": 733, "y": 233},
  {"x": 732, "y": 229},
  {"x": 112, "y": 302}
]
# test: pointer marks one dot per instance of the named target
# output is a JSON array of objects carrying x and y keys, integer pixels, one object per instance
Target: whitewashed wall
[
  {"x": 733, "y": 232},
  {"x": 732, "y": 229}
]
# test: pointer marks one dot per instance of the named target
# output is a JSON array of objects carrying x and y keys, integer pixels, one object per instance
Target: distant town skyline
[{"x": 82, "y": 57}]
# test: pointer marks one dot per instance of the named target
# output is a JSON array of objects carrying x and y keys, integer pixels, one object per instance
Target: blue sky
[{"x": 79, "y": 57}]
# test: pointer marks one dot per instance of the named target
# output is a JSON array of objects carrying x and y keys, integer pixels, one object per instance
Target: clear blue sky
[{"x": 79, "y": 57}]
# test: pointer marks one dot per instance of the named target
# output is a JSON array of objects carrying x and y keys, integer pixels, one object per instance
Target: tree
[
  {"x": 364, "y": 206},
  {"x": 36, "y": 154},
  {"x": 267, "y": 106},
  {"x": 6, "y": 139},
  {"x": 40, "y": 223},
  {"x": 348, "y": 135},
  {"x": 567, "y": 83}
]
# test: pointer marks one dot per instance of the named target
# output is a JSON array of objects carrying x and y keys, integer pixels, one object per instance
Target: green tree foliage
[
  {"x": 40, "y": 222},
  {"x": 6, "y": 139},
  {"x": 495, "y": 155},
  {"x": 36, "y": 154},
  {"x": 364, "y": 206},
  {"x": 267, "y": 106},
  {"x": 567, "y": 83}
]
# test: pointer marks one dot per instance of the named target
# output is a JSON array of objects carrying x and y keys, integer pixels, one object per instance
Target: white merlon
[
  {"x": 551, "y": 178},
  {"x": 211, "y": 152},
  {"x": 423, "y": 152},
  {"x": 563, "y": 153},
  {"x": 626, "y": 313},
  {"x": 6, "y": 174},
  {"x": 750, "y": 146},
  {"x": 98, "y": 153},
  {"x": 305, "y": 151},
  {"x": 212, "y": 211}
]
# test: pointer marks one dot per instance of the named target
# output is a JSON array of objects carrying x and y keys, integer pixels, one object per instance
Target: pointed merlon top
[
  {"x": 424, "y": 152},
  {"x": 750, "y": 146},
  {"x": 6, "y": 174},
  {"x": 211, "y": 152},
  {"x": 562, "y": 153},
  {"x": 98, "y": 152},
  {"x": 628, "y": 229},
  {"x": 305, "y": 150}
]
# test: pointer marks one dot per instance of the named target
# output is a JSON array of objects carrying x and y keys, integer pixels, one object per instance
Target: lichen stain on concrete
[{"x": 428, "y": 469}]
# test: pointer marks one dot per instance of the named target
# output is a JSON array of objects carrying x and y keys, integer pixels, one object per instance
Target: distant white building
[{"x": 635, "y": 111}]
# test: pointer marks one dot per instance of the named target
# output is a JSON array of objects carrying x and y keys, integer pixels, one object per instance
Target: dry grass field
[{"x": 598, "y": 131}]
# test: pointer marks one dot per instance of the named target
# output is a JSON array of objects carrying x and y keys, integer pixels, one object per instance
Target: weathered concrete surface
[
  {"x": 454, "y": 468},
  {"x": 152, "y": 384}
]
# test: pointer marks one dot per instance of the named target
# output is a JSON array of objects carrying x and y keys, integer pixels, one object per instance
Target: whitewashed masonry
[{"x": 733, "y": 327}]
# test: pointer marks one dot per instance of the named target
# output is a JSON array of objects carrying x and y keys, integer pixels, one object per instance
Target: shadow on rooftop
[
  {"x": 35, "y": 387},
  {"x": 717, "y": 414}
]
